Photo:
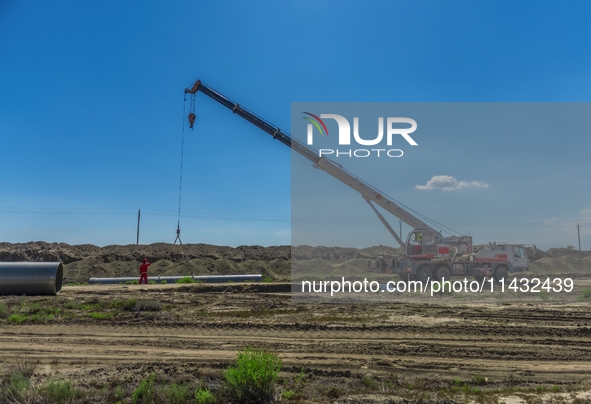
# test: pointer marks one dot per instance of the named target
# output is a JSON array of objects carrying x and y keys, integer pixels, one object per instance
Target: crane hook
[{"x": 191, "y": 120}]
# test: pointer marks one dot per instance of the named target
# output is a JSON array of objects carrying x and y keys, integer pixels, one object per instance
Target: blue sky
[{"x": 91, "y": 111}]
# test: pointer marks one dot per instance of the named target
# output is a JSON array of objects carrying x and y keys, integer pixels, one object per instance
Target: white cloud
[{"x": 449, "y": 183}]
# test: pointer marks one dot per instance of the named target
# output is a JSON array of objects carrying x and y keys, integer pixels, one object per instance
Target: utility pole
[
  {"x": 137, "y": 240},
  {"x": 579, "y": 234}
]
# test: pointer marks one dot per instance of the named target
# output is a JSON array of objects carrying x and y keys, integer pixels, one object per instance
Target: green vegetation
[
  {"x": 59, "y": 310},
  {"x": 145, "y": 392},
  {"x": 151, "y": 282},
  {"x": 99, "y": 316},
  {"x": 16, "y": 319},
  {"x": 134, "y": 282},
  {"x": 479, "y": 380},
  {"x": 286, "y": 394},
  {"x": 253, "y": 378},
  {"x": 186, "y": 279},
  {"x": 176, "y": 393},
  {"x": 370, "y": 383},
  {"x": 60, "y": 392},
  {"x": 586, "y": 294},
  {"x": 268, "y": 279},
  {"x": 163, "y": 282},
  {"x": 204, "y": 396}
]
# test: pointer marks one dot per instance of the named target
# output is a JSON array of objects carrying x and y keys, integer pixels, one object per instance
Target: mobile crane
[{"x": 427, "y": 252}]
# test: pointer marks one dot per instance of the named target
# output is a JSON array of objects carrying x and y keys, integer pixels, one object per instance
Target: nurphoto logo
[{"x": 344, "y": 138}]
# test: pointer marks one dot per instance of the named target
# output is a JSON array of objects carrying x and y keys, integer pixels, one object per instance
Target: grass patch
[
  {"x": 286, "y": 394},
  {"x": 163, "y": 282},
  {"x": 268, "y": 279},
  {"x": 16, "y": 319},
  {"x": 145, "y": 392},
  {"x": 370, "y": 383},
  {"x": 60, "y": 392},
  {"x": 41, "y": 317},
  {"x": 186, "y": 279},
  {"x": 176, "y": 394},
  {"x": 257, "y": 312},
  {"x": 151, "y": 282},
  {"x": 586, "y": 294},
  {"x": 134, "y": 282},
  {"x": 136, "y": 305},
  {"x": 73, "y": 305},
  {"x": 99, "y": 316},
  {"x": 4, "y": 310},
  {"x": 479, "y": 380},
  {"x": 204, "y": 396},
  {"x": 90, "y": 307},
  {"x": 333, "y": 318},
  {"x": 253, "y": 377},
  {"x": 545, "y": 295}
]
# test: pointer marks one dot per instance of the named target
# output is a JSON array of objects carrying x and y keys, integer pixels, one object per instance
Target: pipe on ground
[
  {"x": 31, "y": 278},
  {"x": 173, "y": 279}
]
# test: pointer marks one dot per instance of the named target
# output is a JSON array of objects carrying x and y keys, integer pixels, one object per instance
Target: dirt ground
[
  {"x": 198, "y": 330},
  {"x": 445, "y": 351}
]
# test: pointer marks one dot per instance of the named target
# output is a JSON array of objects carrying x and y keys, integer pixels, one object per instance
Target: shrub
[
  {"x": 60, "y": 392},
  {"x": 163, "y": 282},
  {"x": 100, "y": 316},
  {"x": 186, "y": 279},
  {"x": 545, "y": 296},
  {"x": 253, "y": 378},
  {"x": 203, "y": 396},
  {"x": 268, "y": 279},
  {"x": 129, "y": 305},
  {"x": 370, "y": 383},
  {"x": 73, "y": 305},
  {"x": 286, "y": 394},
  {"x": 134, "y": 282},
  {"x": 4, "y": 310},
  {"x": 151, "y": 282},
  {"x": 16, "y": 319},
  {"x": 149, "y": 305},
  {"x": 145, "y": 391},
  {"x": 555, "y": 389},
  {"x": 17, "y": 385},
  {"x": 586, "y": 293},
  {"x": 479, "y": 380},
  {"x": 176, "y": 394}
]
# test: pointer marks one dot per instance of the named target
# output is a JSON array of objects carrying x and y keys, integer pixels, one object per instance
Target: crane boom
[{"x": 369, "y": 193}]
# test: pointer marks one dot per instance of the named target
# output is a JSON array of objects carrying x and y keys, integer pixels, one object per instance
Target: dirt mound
[{"x": 84, "y": 261}]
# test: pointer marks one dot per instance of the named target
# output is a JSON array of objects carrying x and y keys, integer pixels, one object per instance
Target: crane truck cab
[{"x": 512, "y": 254}]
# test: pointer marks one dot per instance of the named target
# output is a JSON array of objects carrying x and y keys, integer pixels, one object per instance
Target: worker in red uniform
[{"x": 144, "y": 271}]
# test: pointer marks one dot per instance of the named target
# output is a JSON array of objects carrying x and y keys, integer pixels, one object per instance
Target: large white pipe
[{"x": 173, "y": 279}]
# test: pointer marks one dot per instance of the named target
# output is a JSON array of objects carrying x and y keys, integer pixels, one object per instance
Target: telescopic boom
[{"x": 369, "y": 193}]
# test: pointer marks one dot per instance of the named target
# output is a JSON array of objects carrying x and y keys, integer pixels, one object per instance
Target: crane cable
[{"x": 191, "y": 122}]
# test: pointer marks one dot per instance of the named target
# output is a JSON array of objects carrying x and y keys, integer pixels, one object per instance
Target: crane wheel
[
  {"x": 424, "y": 275},
  {"x": 501, "y": 273},
  {"x": 441, "y": 272},
  {"x": 380, "y": 264}
]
